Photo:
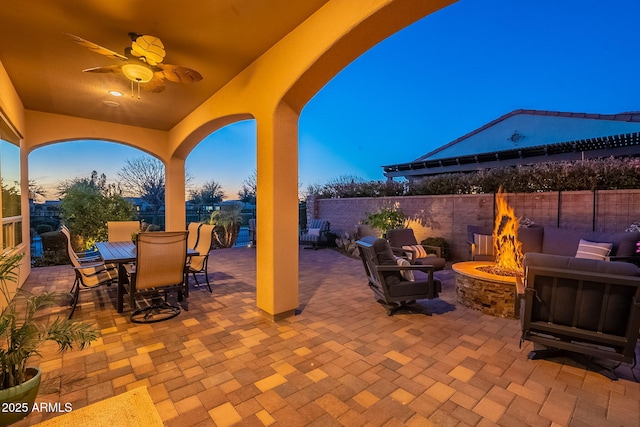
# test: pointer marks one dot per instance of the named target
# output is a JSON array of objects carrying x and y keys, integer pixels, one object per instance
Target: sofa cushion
[
  {"x": 560, "y": 241},
  {"x": 593, "y": 250},
  {"x": 624, "y": 243},
  {"x": 573, "y": 263},
  {"x": 484, "y": 244},
  {"x": 531, "y": 238},
  {"x": 475, "y": 229}
]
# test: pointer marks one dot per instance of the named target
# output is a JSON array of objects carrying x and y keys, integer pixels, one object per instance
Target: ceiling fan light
[{"x": 137, "y": 73}]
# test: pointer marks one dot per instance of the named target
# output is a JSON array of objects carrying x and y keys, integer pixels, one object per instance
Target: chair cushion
[
  {"x": 417, "y": 249},
  {"x": 400, "y": 237},
  {"x": 418, "y": 287},
  {"x": 406, "y": 274},
  {"x": 437, "y": 263},
  {"x": 313, "y": 232},
  {"x": 386, "y": 257},
  {"x": 593, "y": 250},
  {"x": 484, "y": 244}
]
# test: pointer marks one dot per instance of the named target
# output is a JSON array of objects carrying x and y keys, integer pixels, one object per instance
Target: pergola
[{"x": 260, "y": 60}]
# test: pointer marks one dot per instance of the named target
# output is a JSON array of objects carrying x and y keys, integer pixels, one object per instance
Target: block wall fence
[{"x": 447, "y": 216}]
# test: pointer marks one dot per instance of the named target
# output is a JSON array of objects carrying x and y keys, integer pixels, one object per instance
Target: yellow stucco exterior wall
[{"x": 273, "y": 90}]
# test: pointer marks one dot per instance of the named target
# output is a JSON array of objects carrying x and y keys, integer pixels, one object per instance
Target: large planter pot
[{"x": 17, "y": 402}]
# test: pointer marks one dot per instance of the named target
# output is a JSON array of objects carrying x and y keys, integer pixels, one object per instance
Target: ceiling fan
[{"x": 142, "y": 63}]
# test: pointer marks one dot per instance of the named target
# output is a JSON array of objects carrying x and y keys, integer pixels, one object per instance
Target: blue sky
[{"x": 442, "y": 77}]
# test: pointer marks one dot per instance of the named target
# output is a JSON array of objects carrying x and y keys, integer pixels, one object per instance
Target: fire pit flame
[{"x": 507, "y": 247}]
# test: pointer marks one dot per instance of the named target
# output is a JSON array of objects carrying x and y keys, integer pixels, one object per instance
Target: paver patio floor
[{"x": 341, "y": 361}]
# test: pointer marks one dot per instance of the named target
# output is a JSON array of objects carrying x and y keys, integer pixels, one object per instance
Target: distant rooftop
[{"x": 530, "y": 136}]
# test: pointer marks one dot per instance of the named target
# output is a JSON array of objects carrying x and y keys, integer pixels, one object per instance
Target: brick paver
[{"x": 341, "y": 361}]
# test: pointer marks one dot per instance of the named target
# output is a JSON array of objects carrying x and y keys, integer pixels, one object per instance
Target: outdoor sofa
[{"x": 555, "y": 241}]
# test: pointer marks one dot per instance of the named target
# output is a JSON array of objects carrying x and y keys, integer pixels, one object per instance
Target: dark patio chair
[
  {"x": 403, "y": 243},
  {"x": 390, "y": 287}
]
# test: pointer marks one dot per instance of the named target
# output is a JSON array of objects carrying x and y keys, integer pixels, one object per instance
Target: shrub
[
  {"x": 386, "y": 219},
  {"x": 439, "y": 242}
]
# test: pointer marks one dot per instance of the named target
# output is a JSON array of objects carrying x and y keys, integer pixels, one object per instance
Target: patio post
[
  {"x": 175, "y": 210},
  {"x": 277, "y": 213}
]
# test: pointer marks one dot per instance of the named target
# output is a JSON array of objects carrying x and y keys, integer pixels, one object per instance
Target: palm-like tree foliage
[{"x": 22, "y": 332}]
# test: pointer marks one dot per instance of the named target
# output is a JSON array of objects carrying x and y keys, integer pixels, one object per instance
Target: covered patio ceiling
[{"x": 218, "y": 39}]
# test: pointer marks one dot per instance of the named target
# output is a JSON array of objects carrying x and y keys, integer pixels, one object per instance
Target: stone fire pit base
[{"x": 489, "y": 293}]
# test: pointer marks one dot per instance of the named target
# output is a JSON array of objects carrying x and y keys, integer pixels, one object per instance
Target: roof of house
[{"x": 530, "y": 134}]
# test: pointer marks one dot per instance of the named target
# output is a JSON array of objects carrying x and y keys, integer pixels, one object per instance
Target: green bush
[
  {"x": 593, "y": 174},
  {"x": 439, "y": 242},
  {"x": 386, "y": 219}
]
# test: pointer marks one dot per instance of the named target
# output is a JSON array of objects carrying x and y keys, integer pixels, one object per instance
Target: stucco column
[
  {"x": 277, "y": 213},
  {"x": 175, "y": 209}
]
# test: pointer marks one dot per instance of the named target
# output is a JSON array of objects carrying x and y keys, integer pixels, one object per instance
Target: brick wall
[{"x": 448, "y": 216}]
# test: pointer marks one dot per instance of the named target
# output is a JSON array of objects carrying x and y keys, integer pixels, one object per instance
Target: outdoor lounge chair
[
  {"x": 403, "y": 243},
  {"x": 391, "y": 288},
  {"x": 160, "y": 269},
  {"x": 316, "y": 233},
  {"x": 198, "y": 263}
]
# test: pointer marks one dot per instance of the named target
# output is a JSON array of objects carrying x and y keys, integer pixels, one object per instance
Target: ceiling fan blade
[
  {"x": 155, "y": 85},
  {"x": 178, "y": 74},
  {"x": 97, "y": 48},
  {"x": 107, "y": 69}
]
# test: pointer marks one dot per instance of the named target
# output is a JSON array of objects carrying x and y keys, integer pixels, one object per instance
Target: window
[{"x": 10, "y": 181}]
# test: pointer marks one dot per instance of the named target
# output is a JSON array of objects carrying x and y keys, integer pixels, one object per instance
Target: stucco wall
[{"x": 448, "y": 216}]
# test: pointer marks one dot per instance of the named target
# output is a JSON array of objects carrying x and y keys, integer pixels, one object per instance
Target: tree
[
  {"x": 36, "y": 191},
  {"x": 87, "y": 204},
  {"x": 227, "y": 222},
  {"x": 249, "y": 188},
  {"x": 208, "y": 195},
  {"x": 144, "y": 177}
]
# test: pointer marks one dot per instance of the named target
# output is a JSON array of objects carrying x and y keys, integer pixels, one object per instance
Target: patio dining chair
[
  {"x": 160, "y": 269},
  {"x": 193, "y": 228},
  {"x": 121, "y": 231},
  {"x": 79, "y": 257},
  {"x": 198, "y": 263},
  {"x": 89, "y": 274}
]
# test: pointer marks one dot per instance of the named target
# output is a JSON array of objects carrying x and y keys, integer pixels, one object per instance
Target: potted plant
[{"x": 22, "y": 333}]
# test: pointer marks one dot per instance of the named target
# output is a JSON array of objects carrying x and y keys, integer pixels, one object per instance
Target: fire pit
[
  {"x": 491, "y": 287},
  {"x": 490, "y": 293}
]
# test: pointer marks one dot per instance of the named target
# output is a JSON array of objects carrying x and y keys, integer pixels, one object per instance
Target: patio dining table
[{"x": 122, "y": 253}]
